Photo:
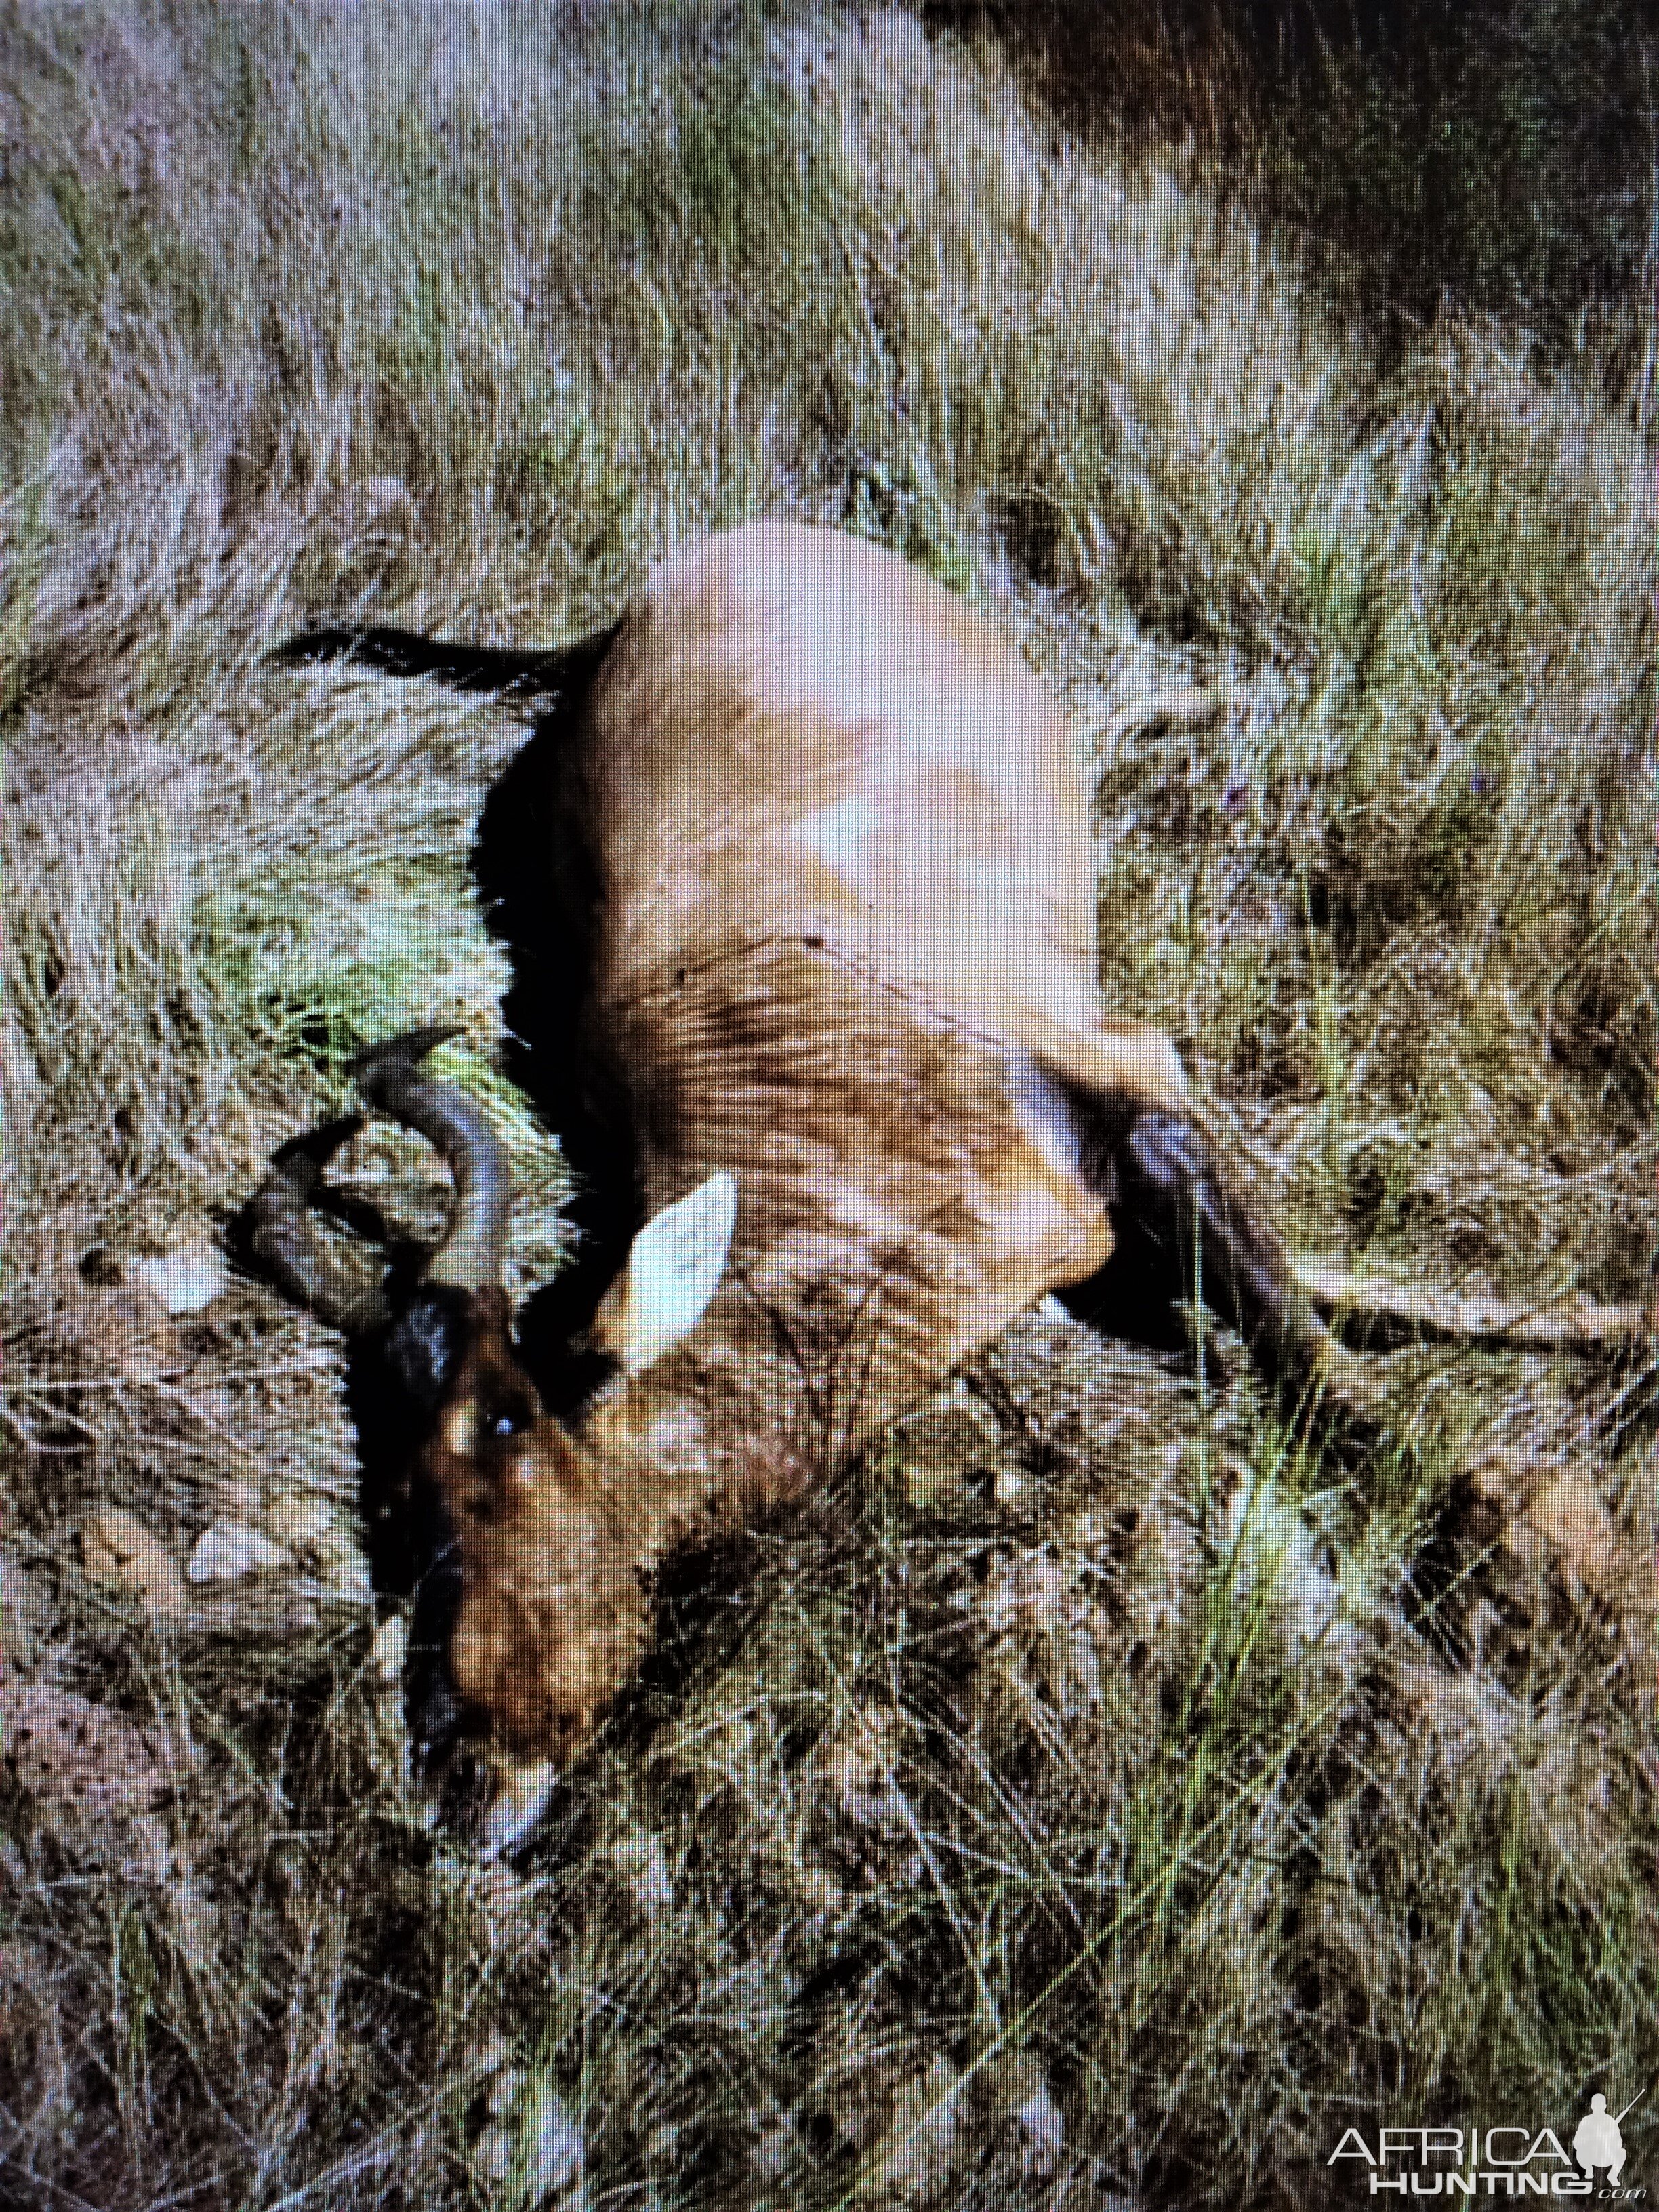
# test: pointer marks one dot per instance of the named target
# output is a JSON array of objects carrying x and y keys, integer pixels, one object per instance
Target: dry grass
[
  {"x": 1500, "y": 151},
  {"x": 1091, "y": 1804}
]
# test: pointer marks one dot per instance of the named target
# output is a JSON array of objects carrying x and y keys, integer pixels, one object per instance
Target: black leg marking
[
  {"x": 1170, "y": 1174},
  {"x": 433, "y": 1708},
  {"x": 1181, "y": 1231},
  {"x": 543, "y": 891}
]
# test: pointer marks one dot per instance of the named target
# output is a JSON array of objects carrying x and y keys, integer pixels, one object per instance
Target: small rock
[
  {"x": 824, "y": 1895},
  {"x": 504, "y": 2091},
  {"x": 1569, "y": 1514},
  {"x": 554, "y": 2154},
  {"x": 541, "y": 2143},
  {"x": 1043, "y": 2130},
  {"x": 1015, "y": 2089},
  {"x": 858, "y": 1766},
  {"x": 231, "y": 1549},
  {"x": 116, "y": 1547},
  {"x": 496, "y": 2151},
  {"x": 69, "y": 1752},
  {"x": 308, "y": 1529},
  {"x": 643, "y": 1865},
  {"x": 185, "y": 1280},
  {"x": 770, "y": 2154},
  {"x": 919, "y": 2149}
]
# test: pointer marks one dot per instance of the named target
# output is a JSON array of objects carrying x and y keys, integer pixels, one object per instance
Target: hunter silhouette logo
[
  {"x": 1477, "y": 2161},
  {"x": 1598, "y": 2142}
]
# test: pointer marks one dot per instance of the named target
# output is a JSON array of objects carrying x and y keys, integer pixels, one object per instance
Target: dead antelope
[{"x": 805, "y": 853}]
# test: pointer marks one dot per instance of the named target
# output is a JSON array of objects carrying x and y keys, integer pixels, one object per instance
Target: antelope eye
[{"x": 510, "y": 1421}]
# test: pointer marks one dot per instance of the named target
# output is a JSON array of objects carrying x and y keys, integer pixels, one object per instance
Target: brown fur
[
  {"x": 553, "y": 1612},
  {"x": 845, "y": 950}
]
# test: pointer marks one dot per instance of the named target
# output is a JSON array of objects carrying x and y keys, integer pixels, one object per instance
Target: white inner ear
[{"x": 674, "y": 1268}]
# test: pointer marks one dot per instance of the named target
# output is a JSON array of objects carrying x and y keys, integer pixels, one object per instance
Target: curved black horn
[
  {"x": 282, "y": 1234},
  {"x": 474, "y": 1247}
]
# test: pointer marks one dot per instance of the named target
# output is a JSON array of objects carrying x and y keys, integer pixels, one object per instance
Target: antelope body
[{"x": 818, "y": 856}]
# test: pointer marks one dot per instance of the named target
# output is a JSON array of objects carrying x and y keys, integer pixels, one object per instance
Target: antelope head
[{"x": 549, "y": 1526}]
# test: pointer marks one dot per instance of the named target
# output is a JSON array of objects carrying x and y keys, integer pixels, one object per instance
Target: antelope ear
[{"x": 674, "y": 1268}]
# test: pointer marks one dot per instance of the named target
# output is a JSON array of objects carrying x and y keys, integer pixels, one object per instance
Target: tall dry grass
[
  {"x": 1093, "y": 1802},
  {"x": 1500, "y": 152}
]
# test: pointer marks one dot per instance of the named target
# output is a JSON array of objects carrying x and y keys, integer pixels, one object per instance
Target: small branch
[
  {"x": 41, "y": 1386},
  {"x": 1183, "y": 706},
  {"x": 1568, "y": 1324}
]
